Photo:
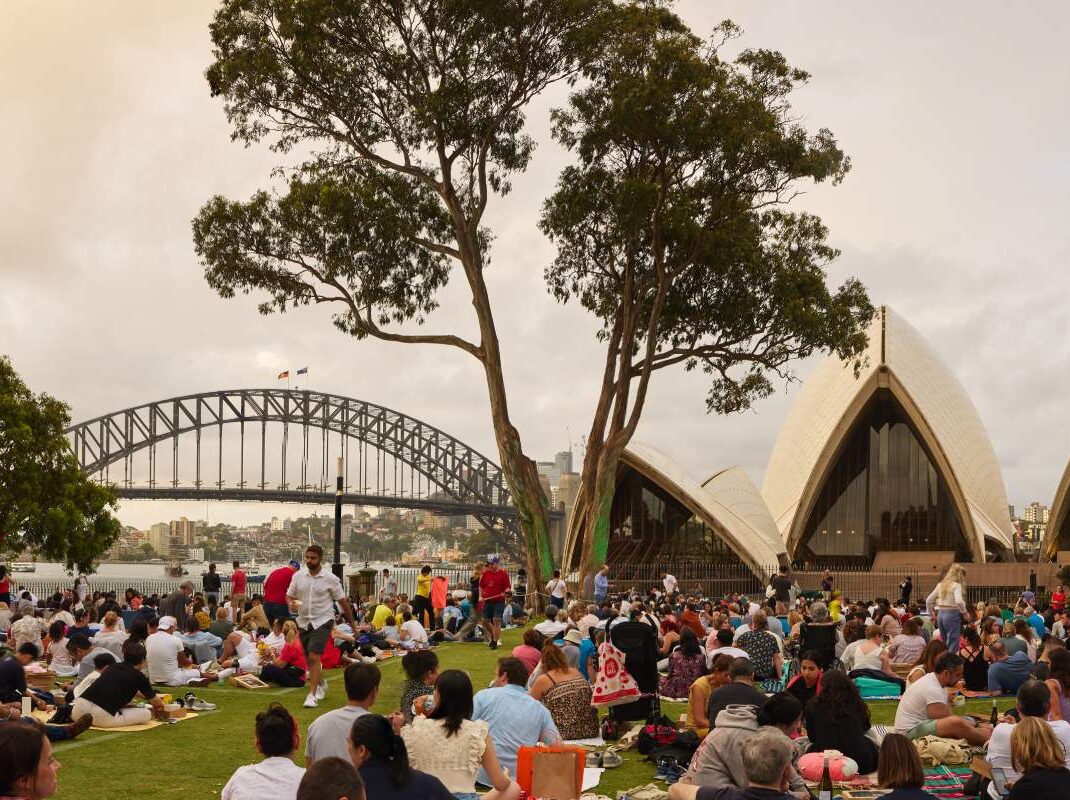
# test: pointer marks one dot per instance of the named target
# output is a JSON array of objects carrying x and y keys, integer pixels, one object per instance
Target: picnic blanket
[
  {"x": 946, "y": 782},
  {"x": 42, "y": 716}
]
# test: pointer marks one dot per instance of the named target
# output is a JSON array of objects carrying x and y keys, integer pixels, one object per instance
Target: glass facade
[
  {"x": 649, "y": 526},
  {"x": 883, "y": 493}
]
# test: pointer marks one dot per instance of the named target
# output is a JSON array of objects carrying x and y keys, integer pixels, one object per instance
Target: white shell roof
[
  {"x": 945, "y": 410},
  {"x": 729, "y": 502}
]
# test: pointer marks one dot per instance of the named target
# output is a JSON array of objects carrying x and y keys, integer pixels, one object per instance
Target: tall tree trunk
[{"x": 597, "y": 509}]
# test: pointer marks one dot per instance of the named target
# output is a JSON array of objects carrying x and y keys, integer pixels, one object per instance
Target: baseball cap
[
  {"x": 168, "y": 623},
  {"x": 574, "y": 636},
  {"x": 295, "y": 564},
  {"x": 493, "y": 560}
]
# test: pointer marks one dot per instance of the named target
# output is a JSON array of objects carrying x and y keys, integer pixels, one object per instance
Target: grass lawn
[{"x": 194, "y": 758}]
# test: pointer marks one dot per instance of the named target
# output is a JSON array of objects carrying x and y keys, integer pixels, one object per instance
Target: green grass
[{"x": 194, "y": 759}]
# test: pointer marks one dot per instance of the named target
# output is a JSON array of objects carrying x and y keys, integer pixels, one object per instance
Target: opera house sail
[{"x": 893, "y": 460}]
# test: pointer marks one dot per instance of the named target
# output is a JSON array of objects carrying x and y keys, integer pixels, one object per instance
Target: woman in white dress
[{"x": 452, "y": 746}]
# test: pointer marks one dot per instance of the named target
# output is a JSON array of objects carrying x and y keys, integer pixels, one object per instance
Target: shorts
[
  {"x": 927, "y": 728},
  {"x": 493, "y": 609},
  {"x": 314, "y": 640},
  {"x": 237, "y": 602}
]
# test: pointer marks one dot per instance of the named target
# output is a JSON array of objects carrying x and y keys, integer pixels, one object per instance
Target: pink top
[{"x": 530, "y": 656}]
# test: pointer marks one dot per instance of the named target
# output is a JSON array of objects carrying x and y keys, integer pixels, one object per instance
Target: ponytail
[{"x": 377, "y": 735}]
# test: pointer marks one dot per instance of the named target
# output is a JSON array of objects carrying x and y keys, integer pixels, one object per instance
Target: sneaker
[
  {"x": 194, "y": 703},
  {"x": 321, "y": 690},
  {"x": 311, "y": 701},
  {"x": 200, "y": 683},
  {"x": 81, "y": 725}
]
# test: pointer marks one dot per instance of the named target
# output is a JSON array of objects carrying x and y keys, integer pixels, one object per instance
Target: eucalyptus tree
[
  {"x": 671, "y": 228},
  {"x": 408, "y": 116}
]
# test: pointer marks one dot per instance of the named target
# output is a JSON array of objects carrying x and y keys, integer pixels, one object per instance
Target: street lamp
[{"x": 336, "y": 567}]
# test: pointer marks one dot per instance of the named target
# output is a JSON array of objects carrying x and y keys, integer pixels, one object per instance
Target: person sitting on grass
[
  {"x": 698, "y": 696},
  {"x": 927, "y": 660},
  {"x": 101, "y": 661},
  {"x": 275, "y": 640},
  {"x": 1039, "y": 758},
  {"x": 168, "y": 664},
  {"x": 1034, "y": 700},
  {"x": 331, "y": 778},
  {"x": 838, "y": 719},
  {"x": 686, "y": 665},
  {"x": 899, "y": 768},
  {"x": 382, "y": 760},
  {"x": 328, "y": 733},
  {"x": 108, "y": 697},
  {"x": 1007, "y": 672},
  {"x": 565, "y": 693},
  {"x": 203, "y": 645},
  {"x": 421, "y": 671},
  {"x": 277, "y": 776},
  {"x": 412, "y": 633},
  {"x": 766, "y": 758},
  {"x": 453, "y": 747},
  {"x": 290, "y": 667},
  {"x": 807, "y": 684},
  {"x": 27, "y": 765},
  {"x": 738, "y": 691},
  {"x": 924, "y": 710},
  {"x": 530, "y": 650}
]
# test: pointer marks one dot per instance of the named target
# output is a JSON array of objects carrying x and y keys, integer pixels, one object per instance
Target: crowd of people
[{"x": 761, "y": 677}]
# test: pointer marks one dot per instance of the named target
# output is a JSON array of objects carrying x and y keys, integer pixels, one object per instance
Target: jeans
[{"x": 950, "y": 626}]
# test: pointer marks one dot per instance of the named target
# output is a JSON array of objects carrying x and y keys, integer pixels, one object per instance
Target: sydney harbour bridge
[{"x": 281, "y": 445}]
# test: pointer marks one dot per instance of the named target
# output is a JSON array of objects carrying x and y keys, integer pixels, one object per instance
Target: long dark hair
[
  {"x": 840, "y": 696},
  {"x": 21, "y": 745},
  {"x": 375, "y": 733},
  {"x": 138, "y": 630},
  {"x": 454, "y": 700},
  {"x": 1060, "y": 668},
  {"x": 689, "y": 643}
]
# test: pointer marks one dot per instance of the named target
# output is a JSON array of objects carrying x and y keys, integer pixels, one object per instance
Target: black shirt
[
  {"x": 733, "y": 694},
  {"x": 117, "y": 686},
  {"x": 846, "y": 734},
  {"x": 781, "y": 588},
  {"x": 211, "y": 581},
  {"x": 420, "y": 786},
  {"x": 12, "y": 680},
  {"x": 1042, "y": 784}
]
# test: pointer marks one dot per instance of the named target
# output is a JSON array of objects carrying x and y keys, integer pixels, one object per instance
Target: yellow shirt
[
  {"x": 383, "y": 612},
  {"x": 423, "y": 585}
]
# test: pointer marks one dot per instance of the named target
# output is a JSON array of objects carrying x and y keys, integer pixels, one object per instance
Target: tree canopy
[
  {"x": 47, "y": 505},
  {"x": 671, "y": 228}
]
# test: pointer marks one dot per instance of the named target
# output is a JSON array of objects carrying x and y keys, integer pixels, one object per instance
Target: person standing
[
  {"x": 493, "y": 584},
  {"x": 311, "y": 596},
  {"x": 826, "y": 586},
  {"x": 906, "y": 588},
  {"x": 275, "y": 587},
  {"x": 557, "y": 589},
  {"x": 238, "y": 586},
  {"x": 669, "y": 583},
  {"x": 601, "y": 585},
  {"x": 781, "y": 585},
  {"x": 948, "y": 602},
  {"x": 421, "y": 602},
  {"x": 175, "y": 604},
  {"x": 389, "y": 587},
  {"x": 212, "y": 584}
]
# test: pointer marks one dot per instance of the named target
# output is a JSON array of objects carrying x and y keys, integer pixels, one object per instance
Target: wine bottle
[
  {"x": 824, "y": 789},
  {"x": 994, "y": 719}
]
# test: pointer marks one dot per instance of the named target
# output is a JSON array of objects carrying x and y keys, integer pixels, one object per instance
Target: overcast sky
[{"x": 954, "y": 214}]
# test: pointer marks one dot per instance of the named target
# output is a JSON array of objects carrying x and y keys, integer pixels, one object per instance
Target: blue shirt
[
  {"x": 515, "y": 719},
  {"x": 1010, "y": 673},
  {"x": 1037, "y": 622},
  {"x": 601, "y": 585},
  {"x": 587, "y": 650}
]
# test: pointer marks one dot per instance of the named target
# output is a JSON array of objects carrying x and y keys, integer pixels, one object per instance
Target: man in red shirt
[
  {"x": 238, "y": 584},
  {"x": 275, "y": 605},
  {"x": 493, "y": 584}
]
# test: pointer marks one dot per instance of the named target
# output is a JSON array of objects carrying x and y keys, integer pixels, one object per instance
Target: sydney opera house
[{"x": 873, "y": 469}]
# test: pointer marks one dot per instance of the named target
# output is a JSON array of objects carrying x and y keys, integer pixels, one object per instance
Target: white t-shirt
[
  {"x": 415, "y": 630},
  {"x": 557, "y": 589},
  {"x": 734, "y": 652},
  {"x": 550, "y": 629},
  {"x": 914, "y": 704},
  {"x": 162, "y": 651},
  {"x": 999, "y": 749},
  {"x": 670, "y": 583}
]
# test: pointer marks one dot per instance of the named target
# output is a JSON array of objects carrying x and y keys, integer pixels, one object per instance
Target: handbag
[
  {"x": 613, "y": 686},
  {"x": 551, "y": 773}
]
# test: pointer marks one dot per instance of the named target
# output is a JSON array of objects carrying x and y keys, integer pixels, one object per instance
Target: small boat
[
  {"x": 174, "y": 569},
  {"x": 24, "y": 566}
]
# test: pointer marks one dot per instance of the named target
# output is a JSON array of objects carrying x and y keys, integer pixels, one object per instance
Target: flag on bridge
[
  {"x": 283, "y": 375},
  {"x": 302, "y": 371}
]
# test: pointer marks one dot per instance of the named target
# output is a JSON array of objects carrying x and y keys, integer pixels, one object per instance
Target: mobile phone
[{"x": 999, "y": 780}]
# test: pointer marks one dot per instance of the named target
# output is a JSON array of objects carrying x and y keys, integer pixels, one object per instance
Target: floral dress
[
  {"x": 683, "y": 671},
  {"x": 761, "y": 647}
]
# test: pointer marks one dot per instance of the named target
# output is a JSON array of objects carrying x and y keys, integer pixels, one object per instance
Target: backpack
[{"x": 656, "y": 734}]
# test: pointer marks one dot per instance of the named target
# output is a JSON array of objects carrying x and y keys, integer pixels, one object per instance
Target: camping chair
[
  {"x": 822, "y": 639},
  {"x": 639, "y": 643}
]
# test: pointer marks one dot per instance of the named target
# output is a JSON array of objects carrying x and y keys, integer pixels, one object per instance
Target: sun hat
[{"x": 167, "y": 623}]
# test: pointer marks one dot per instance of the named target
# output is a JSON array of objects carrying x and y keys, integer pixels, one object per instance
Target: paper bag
[{"x": 551, "y": 773}]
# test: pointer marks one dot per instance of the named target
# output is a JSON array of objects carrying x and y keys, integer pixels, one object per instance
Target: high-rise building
[
  {"x": 1037, "y": 512},
  {"x": 182, "y": 532},
  {"x": 563, "y": 462},
  {"x": 160, "y": 538},
  {"x": 548, "y": 470}
]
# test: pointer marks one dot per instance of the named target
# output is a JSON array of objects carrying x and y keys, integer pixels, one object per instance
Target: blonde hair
[
  {"x": 956, "y": 573},
  {"x": 1033, "y": 745},
  {"x": 110, "y": 619},
  {"x": 289, "y": 631}
]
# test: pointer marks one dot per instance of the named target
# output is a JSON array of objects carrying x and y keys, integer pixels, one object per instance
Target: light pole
[{"x": 336, "y": 567}]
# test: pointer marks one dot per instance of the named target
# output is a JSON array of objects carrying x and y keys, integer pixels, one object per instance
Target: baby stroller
[{"x": 639, "y": 643}]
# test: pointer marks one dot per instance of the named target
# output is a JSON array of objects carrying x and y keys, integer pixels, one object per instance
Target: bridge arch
[{"x": 458, "y": 471}]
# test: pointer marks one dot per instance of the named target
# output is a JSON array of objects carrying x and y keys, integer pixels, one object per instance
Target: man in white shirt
[
  {"x": 1033, "y": 701},
  {"x": 411, "y": 630},
  {"x": 669, "y": 582},
  {"x": 163, "y": 650},
  {"x": 924, "y": 710},
  {"x": 311, "y": 597},
  {"x": 721, "y": 643},
  {"x": 588, "y": 620},
  {"x": 277, "y": 776},
  {"x": 550, "y": 628},
  {"x": 328, "y": 735}
]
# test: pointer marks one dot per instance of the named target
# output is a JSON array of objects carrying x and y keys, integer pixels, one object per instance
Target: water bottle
[{"x": 27, "y": 705}]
